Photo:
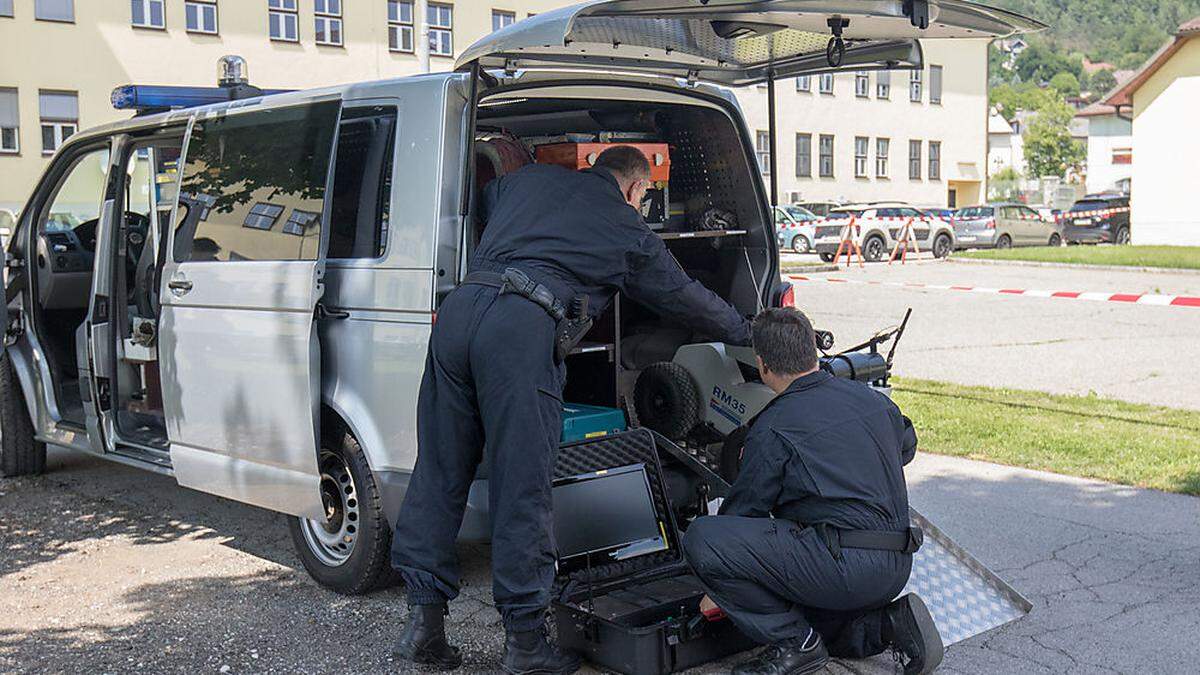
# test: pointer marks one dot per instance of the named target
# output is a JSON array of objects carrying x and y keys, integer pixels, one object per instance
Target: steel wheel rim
[{"x": 332, "y": 539}]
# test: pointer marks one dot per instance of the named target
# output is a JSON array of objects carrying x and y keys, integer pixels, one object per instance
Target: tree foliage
[
  {"x": 1049, "y": 148},
  {"x": 1102, "y": 82},
  {"x": 1065, "y": 84}
]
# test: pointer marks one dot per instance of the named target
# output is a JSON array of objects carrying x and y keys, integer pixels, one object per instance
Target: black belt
[
  {"x": 513, "y": 280},
  {"x": 569, "y": 326},
  {"x": 904, "y": 541}
]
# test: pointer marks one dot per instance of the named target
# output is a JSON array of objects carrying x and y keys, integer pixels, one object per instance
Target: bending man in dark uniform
[
  {"x": 813, "y": 540},
  {"x": 492, "y": 375}
]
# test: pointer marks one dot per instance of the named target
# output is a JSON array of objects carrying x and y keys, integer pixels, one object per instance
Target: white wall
[
  {"x": 1167, "y": 172},
  {"x": 1106, "y": 132}
]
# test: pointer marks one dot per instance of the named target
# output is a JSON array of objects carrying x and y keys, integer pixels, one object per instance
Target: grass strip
[
  {"x": 1087, "y": 436},
  {"x": 1171, "y": 257}
]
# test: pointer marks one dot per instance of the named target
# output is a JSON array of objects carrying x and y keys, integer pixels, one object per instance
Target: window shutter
[{"x": 58, "y": 106}]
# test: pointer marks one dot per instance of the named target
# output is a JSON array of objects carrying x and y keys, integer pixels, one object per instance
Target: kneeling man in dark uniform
[{"x": 813, "y": 541}]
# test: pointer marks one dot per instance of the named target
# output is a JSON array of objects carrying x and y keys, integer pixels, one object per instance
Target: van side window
[
  {"x": 362, "y": 183},
  {"x": 253, "y": 185}
]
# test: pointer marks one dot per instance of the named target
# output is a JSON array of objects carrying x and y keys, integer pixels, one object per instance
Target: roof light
[
  {"x": 232, "y": 76},
  {"x": 232, "y": 70}
]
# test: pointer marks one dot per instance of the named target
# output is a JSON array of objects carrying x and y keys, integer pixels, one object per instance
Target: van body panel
[{"x": 734, "y": 42}]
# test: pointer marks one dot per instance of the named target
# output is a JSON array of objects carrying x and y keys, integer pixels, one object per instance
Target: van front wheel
[
  {"x": 20, "y": 453},
  {"x": 347, "y": 551}
]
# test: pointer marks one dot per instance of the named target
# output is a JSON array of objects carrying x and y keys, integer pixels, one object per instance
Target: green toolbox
[{"x": 580, "y": 422}]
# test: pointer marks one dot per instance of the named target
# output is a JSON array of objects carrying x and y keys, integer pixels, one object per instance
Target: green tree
[
  {"x": 1009, "y": 99},
  {"x": 1065, "y": 84},
  {"x": 1103, "y": 82},
  {"x": 1049, "y": 148}
]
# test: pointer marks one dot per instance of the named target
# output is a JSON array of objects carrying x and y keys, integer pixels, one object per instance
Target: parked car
[
  {"x": 1095, "y": 219},
  {"x": 793, "y": 228},
  {"x": 880, "y": 225},
  {"x": 942, "y": 212},
  {"x": 1004, "y": 225},
  {"x": 820, "y": 209}
]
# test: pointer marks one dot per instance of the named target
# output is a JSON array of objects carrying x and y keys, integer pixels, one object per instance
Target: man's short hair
[
  {"x": 625, "y": 162},
  {"x": 785, "y": 341}
]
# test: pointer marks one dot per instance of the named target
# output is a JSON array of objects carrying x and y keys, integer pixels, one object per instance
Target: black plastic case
[{"x": 639, "y": 616}]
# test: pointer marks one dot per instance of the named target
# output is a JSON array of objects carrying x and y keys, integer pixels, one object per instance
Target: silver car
[
  {"x": 240, "y": 295},
  {"x": 1004, "y": 226}
]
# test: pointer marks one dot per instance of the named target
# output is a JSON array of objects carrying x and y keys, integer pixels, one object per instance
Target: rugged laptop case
[{"x": 639, "y": 616}]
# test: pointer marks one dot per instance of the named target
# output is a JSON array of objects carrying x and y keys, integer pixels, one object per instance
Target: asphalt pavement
[{"x": 1139, "y": 353}]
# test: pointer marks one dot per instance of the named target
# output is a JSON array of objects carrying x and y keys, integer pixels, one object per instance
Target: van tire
[
  {"x": 20, "y": 453},
  {"x": 667, "y": 399},
  {"x": 368, "y": 566}
]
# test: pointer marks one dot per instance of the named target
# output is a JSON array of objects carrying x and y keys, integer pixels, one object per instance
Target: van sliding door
[{"x": 238, "y": 350}]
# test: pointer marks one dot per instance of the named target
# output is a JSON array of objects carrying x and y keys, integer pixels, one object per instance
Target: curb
[
  {"x": 1074, "y": 266},
  {"x": 793, "y": 269}
]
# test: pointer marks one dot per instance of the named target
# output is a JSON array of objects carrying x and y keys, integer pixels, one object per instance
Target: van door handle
[{"x": 179, "y": 286}]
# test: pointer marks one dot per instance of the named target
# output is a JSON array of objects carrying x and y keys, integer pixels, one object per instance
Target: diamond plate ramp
[{"x": 963, "y": 595}]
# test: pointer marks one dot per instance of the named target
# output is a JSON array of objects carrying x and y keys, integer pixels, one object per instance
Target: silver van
[{"x": 240, "y": 294}]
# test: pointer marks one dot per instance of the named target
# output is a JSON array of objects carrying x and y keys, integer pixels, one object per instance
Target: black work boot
[
  {"x": 531, "y": 653},
  {"x": 791, "y": 657},
  {"x": 423, "y": 640},
  {"x": 910, "y": 631}
]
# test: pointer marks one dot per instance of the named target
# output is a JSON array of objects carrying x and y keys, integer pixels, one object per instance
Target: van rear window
[
  {"x": 974, "y": 212},
  {"x": 362, "y": 183},
  {"x": 253, "y": 185}
]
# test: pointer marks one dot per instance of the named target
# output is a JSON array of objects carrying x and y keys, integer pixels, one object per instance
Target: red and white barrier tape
[
  {"x": 1098, "y": 213},
  {"x": 1128, "y": 298}
]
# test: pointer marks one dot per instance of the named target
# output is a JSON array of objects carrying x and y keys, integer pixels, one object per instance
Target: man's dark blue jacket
[
  {"x": 574, "y": 232},
  {"x": 826, "y": 450}
]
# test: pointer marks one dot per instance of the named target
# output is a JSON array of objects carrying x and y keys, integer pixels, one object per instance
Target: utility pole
[{"x": 421, "y": 19}]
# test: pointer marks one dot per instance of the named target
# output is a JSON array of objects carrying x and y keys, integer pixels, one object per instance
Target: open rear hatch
[{"x": 735, "y": 42}]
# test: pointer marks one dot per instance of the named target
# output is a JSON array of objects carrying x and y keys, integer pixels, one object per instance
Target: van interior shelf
[{"x": 699, "y": 234}]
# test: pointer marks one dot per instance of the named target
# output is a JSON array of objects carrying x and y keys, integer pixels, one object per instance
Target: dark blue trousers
[
  {"x": 776, "y": 580},
  {"x": 490, "y": 378}
]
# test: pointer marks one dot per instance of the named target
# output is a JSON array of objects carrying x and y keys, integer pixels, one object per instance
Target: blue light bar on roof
[{"x": 145, "y": 97}]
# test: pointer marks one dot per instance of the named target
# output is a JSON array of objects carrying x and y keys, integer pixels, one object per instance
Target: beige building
[
  {"x": 1163, "y": 99},
  {"x": 845, "y": 137},
  {"x": 916, "y": 136}
]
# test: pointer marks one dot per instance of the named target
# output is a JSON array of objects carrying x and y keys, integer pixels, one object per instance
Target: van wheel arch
[{"x": 349, "y": 552}]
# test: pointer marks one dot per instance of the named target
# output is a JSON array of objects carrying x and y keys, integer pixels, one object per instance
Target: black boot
[
  {"x": 910, "y": 630},
  {"x": 423, "y": 640},
  {"x": 792, "y": 657},
  {"x": 531, "y": 653}
]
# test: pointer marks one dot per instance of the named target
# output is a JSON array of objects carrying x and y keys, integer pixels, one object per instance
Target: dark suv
[{"x": 1097, "y": 219}]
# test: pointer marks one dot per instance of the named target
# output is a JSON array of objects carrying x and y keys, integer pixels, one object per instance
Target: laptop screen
[{"x": 609, "y": 512}]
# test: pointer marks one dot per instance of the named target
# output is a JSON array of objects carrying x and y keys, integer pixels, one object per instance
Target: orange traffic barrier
[
  {"x": 905, "y": 239},
  {"x": 849, "y": 243}
]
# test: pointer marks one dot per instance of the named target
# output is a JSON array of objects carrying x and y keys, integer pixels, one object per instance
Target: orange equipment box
[{"x": 583, "y": 155}]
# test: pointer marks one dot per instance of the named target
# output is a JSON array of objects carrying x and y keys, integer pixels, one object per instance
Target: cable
[{"x": 757, "y": 284}]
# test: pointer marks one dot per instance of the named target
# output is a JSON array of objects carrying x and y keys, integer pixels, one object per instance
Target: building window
[
  {"x": 862, "y": 84},
  {"x": 825, "y": 84},
  {"x": 284, "y": 20},
  {"x": 762, "y": 148},
  {"x": 148, "y": 14},
  {"x": 400, "y": 25},
  {"x": 262, "y": 216},
  {"x": 54, "y": 10},
  {"x": 6, "y": 8},
  {"x": 935, "y": 85},
  {"x": 935, "y": 160},
  {"x": 882, "y": 145},
  {"x": 914, "y": 86},
  {"x": 804, "y": 83},
  {"x": 1122, "y": 156},
  {"x": 327, "y": 24},
  {"x": 883, "y": 84},
  {"x": 804, "y": 155},
  {"x": 59, "y": 111},
  {"x": 441, "y": 29},
  {"x": 860, "y": 156},
  {"x": 826, "y": 159},
  {"x": 201, "y": 16},
  {"x": 914, "y": 160},
  {"x": 502, "y": 19},
  {"x": 299, "y": 222},
  {"x": 10, "y": 122}
]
